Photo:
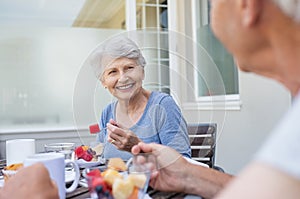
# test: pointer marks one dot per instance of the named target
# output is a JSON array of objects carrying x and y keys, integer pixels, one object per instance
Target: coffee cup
[
  {"x": 56, "y": 163},
  {"x": 13, "y": 155}
]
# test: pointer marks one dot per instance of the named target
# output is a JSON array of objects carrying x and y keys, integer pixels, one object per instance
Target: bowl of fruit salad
[
  {"x": 89, "y": 156},
  {"x": 114, "y": 181}
]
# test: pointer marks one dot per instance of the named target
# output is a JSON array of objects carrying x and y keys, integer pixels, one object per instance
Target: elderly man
[{"x": 271, "y": 49}]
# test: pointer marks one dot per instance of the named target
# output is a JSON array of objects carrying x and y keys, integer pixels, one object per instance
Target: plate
[{"x": 85, "y": 164}]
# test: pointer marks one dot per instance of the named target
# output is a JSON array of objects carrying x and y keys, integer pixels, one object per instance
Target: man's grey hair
[
  {"x": 116, "y": 47},
  {"x": 290, "y": 8}
]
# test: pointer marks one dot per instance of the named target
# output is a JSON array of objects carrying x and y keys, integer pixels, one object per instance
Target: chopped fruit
[
  {"x": 94, "y": 173},
  {"x": 134, "y": 194},
  {"x": 91, "y": 151},
  {"x": 139, "y": 180},
  {"x": 85, "y": 148},
  {"x": 98, "y": 149},
  {"x": 79, "y": 152},
  {"x": 84, "y": 152},
  {"x": 117, "y": 164},
  {"x": 87, "y": 157},
  {"x": 14, "y": 167},
  {"x": 99, "y": 183},
  {"x": 110, "y": 175},
  {"x": 11, "y": 170},
  {"x": 112, "y": 184},
  {"x": 122, "y": 189}
]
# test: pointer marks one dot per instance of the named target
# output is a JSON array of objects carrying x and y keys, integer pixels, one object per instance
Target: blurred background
[{"x": 49, "y": 92}]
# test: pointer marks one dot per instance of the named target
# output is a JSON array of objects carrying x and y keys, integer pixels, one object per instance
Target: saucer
[{"x": 85, "y": 164}]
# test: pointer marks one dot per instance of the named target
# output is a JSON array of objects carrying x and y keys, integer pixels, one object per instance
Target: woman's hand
[{"x": 122, "y": 138}]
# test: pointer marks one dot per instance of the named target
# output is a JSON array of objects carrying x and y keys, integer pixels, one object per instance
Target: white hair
[
  {"x": 116, "y": 47},
  {"x": 290, "y": 7}
]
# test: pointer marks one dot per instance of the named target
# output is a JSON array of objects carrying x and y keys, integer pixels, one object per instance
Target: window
[
  {"x": 152, "y": 23},
  {"x": 220, "y": 60},
  {"x": 216, "y": 76}
]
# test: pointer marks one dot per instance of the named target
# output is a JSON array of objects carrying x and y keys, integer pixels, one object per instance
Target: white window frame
[
  {"x": 130, "y": 15},
  {"x": 131, "y": 26},
  {"x": 221, "y": 102}
]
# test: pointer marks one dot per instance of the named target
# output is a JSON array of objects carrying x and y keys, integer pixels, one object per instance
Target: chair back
[{"x": 203, "y": 142}]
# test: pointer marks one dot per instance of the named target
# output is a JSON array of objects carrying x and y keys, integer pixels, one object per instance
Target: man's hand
[{"x": 30, "y": 182}]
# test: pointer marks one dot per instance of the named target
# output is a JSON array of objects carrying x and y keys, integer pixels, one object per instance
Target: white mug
[
  {"x": 55, "y": 163},
  {"x": 13, "y": 155}
]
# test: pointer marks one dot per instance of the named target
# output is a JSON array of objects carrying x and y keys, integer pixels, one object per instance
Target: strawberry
[
  {"x": 79, "y": 152},
  {"x": 86, "y": 156},
  {"x": 94, "y": 173},
  {"x": 84, "y": 152},
  {"x": 98, "y": 181}
]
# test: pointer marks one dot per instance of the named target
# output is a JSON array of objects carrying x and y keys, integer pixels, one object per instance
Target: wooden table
[
  {"x": 79, "y": 193},
  {"x": 83, "y": 193}
]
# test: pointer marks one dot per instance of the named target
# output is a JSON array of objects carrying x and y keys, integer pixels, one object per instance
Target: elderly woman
[{"x": 137, "y": 114}]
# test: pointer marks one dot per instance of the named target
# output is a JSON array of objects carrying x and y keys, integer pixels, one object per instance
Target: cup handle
[{"x": 77, "y": 176}]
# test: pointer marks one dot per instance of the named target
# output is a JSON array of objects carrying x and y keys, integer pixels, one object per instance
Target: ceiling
[
  {"x": 79, "y": 13},
  {"x": 95, "y": 13}
]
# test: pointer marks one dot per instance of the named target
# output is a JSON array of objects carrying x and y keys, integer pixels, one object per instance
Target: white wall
[
  {"x": 241, "y": 132},
  {"x": 40, "y": 72}
]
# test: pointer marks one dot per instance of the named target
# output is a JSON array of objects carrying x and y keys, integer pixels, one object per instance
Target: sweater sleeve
[{"x": 171, "y": 126}]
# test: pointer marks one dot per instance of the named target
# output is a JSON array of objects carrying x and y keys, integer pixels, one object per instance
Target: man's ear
[
  {"x": 251, "y": 10},
  {"x": 103, "y": 83},
  {"x": 143, "y": 74}
]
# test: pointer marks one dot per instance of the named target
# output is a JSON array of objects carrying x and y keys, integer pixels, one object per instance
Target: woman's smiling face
[{"x": 123, "y": 77}]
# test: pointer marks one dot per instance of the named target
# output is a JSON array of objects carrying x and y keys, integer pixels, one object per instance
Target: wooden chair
[{"x": 203, "y": 143}]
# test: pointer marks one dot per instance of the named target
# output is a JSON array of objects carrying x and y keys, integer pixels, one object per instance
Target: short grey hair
[
  {"x": 290, "y": 8},
  {"x": 116, "y": 47}
]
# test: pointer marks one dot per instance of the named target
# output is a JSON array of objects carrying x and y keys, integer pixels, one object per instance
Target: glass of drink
[
  {"x": 140, "y": 168},
  {"x": 65, "y": 148}
]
